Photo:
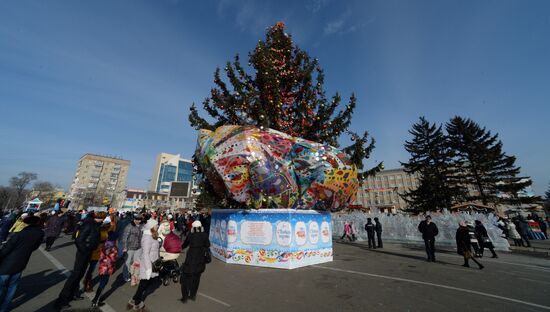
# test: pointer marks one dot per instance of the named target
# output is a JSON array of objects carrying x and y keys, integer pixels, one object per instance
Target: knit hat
[
  {"x": 151, "y": 223},
  {"x": 23, "y": 216},
  {"x": 196, "y": 224}
]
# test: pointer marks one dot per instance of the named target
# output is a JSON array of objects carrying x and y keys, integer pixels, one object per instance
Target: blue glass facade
[
  {"x": 185, "y": 171},
  {"x": 167, "y": 173}
]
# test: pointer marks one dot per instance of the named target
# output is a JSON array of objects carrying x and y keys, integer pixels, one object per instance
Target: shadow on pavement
[
  {"x": 50, "y": 307},
  {"x": 62, "y": 245},
  {"x": 396, "y": 254},
  {"x": 119, "y": 282},
  {"x": 33, "y": 285}
]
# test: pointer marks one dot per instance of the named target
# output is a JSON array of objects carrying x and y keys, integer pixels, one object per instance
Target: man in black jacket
[
  {"x": 369, "y": 227},
  {"x": 14, "y": 257},
  {"x": 195, "y": 260},
  {"x": 86, "y": 241},
  {"x": 429, "y": 232},
  {"x": 378, "y": 230}
]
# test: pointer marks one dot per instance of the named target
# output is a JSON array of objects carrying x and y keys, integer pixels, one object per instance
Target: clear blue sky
[{"x": 118, "y": 77}]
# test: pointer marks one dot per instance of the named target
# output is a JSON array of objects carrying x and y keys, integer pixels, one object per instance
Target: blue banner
[{"x": 283, "y": 238}]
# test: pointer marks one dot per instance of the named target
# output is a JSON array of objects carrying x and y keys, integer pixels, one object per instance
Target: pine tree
[
  {"x": 430, "y": 159},
  {"x": 479, "y": 156},
  {"x": 547, "y": 201},
  {"x": 285, "y": 92}
]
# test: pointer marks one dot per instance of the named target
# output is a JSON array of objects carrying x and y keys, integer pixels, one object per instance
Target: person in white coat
[
  {"x": 513, "y": 233},
  {"x": 150, "y": 248}
]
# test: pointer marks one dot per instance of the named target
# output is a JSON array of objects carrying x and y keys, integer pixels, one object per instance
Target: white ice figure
[{"x": 402, "y": 228}]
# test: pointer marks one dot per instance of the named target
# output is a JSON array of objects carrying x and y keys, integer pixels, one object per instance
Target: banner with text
[{"x": 279, "y": 238}]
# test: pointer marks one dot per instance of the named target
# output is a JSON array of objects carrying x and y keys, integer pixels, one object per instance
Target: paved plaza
[{"x": 394, "y": 278}]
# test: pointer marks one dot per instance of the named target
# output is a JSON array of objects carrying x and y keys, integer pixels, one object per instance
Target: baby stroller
[
  {"x": 169, "y": 268},
  {"x": 170, "y": 251}
]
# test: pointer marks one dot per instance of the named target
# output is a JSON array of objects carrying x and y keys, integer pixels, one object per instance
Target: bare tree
[
  {"x": 6, "y": 193},
  {"x": 19, "y": 184},
  {"x": 43, "y": 187}
]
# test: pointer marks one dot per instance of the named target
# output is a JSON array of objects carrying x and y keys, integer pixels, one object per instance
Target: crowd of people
[
  {"x": 517, "y": 228},
  {"x": 146, "y": 247},
  {"x": 143, "y": 245}
]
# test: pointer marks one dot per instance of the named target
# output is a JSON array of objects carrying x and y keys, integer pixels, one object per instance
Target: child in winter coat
[{"x": 107, "y": 263}]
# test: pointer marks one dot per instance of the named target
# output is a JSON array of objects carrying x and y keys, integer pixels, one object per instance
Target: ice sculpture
[{"x": 402, "y": 228}]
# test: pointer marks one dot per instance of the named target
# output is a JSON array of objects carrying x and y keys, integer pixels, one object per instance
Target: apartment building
[{"x": 99, "y": 180}]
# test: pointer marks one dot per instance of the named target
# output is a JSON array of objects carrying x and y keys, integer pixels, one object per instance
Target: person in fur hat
[{"x": 195, "y": 261}]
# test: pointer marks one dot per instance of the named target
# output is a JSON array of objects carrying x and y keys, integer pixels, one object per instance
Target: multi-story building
[
  {"x": 381, "y": 192},
  {"x": 171, "y": 168},
  {"x": 138, "y": 199},
  {"x": 99, "y": 180}
]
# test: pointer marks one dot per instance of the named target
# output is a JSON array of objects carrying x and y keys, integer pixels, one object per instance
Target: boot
[
  {"x": 479, "y": 264},
  {"x": 130, "y": 305},
  {"x": 140, "y": 307},
  {"x": 95, "y": 301},
  {"x": 466, "y": 264}
]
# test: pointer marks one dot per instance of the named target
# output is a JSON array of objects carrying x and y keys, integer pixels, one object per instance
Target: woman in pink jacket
[{"x": 107, "y": 263}]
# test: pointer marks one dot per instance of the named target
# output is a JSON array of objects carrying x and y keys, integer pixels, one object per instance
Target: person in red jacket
[
  {"x": 172, "y": 243},
  {"x": 107, "y": 263}
]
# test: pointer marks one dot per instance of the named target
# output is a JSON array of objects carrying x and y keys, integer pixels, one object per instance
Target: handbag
[
  {"x": 157, "y": 265},
  {"x": 207, "y": 256}
]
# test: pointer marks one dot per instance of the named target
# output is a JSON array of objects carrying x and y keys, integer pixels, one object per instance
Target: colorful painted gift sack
[{"x": 270, "y": 169}]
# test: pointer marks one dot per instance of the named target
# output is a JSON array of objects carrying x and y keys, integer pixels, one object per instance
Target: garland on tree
[{"x": 285, "y": 93}]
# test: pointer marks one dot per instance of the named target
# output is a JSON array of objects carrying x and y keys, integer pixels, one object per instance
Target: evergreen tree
[
  {"x": 482, "y": 163},
  {"x": 547, "y": 201},
  {"x": 430, "y": 159},
  {"x": 285, "y": 92}
]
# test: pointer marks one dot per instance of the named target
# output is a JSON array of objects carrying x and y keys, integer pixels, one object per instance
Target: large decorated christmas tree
[{"x": 285, "y": 93}]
